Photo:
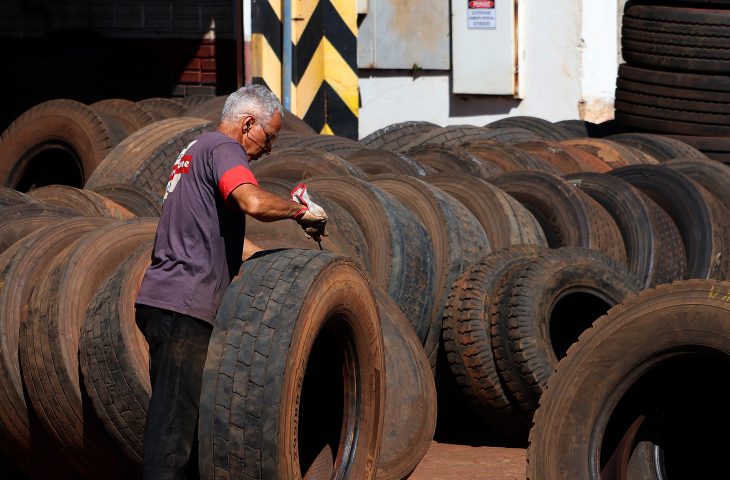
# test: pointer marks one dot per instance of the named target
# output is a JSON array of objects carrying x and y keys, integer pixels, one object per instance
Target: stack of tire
[{"x": 676, "y": 80}]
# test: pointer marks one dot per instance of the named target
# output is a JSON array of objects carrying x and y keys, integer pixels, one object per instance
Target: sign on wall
[{"x": 481, "y": 15}]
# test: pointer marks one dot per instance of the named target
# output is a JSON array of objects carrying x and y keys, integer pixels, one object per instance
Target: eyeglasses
[{"x": 269, "y": 137}]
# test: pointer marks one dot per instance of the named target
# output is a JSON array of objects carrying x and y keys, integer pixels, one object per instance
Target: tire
[
  {"x": 452, "y": 160},
  {"x": 325, "y": 336},
  {"x": 374, "y": 162},
  {"x": 410, "y": 394},
  {"x": 565, "y": 158},
  {"x": 584, "y": 129},
  {"x": 297, "y": 164},
  {"x": 700, "y": 218},
  {"x": 505, "y": 221},
  {"x": 457, "y": 238},
  {"x": 135, "y": 199},
  {"x": 543, "y": 128},
  {"x": 193, "y": 101},
  {"x": 542, "y": 310},
  {"x": 451, "y": 136},
  {"x": 114, "y": 358},
  {"x": 22, "y": 220},
  {"x": 210, "y": 109},
  {"x": 162, "y": 108},
  {"x": 21, "y": 267},
  {"x": 568, "y": 217},
  {"x": 679, "y": 98},
  {"x": 49, "y": 344},
  {"x": 712, "y": 176},
  {"x": 715, "y": 148},
  {"x": 636, "y": 405},
  {"x": 693, "y": 85},
  {"x": 340, "y": 146},
  {"x": 467, "y": 339},
  {"x": 660, "y": 147},
  {"x": 85, "y": 202},
  {"x": 144, "y": 158},
  {"x": 292, "y": 123},
  {"x": 130, "y": 116},
  {"x": 508, "y": 136},
  {"x": 670, "y": 127},
  {"x": 508, "y": 158},
  {"x": 401, "y": 256},
  {"x": 654, "y": 247},
  {"x": 55, "y": 142},
  {"x": 10, "y": 198},
  {"x": 693, "y": 114},
  {"x": 397, "y": 135},
  {"x": 613, "y": 154},
  {"x": 685, "y": 26}
]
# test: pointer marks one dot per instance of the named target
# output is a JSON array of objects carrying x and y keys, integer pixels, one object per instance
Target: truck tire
[
  {"x": 397, "y": 135},
  {"x": 545, "y": 129},
  {"x": 374, "y": 162},
  {"x": 508, "y": 158},
  {"x": 660, "y": 147},
  {"x": 85, "y": 202},
  {"x": 296, "y": 164},
  {"x": 613, "y": 154},
  {"x": 162, "y": 108},
  {"x": 452, "y": 160},
  {"x": 135, "y": 199}
]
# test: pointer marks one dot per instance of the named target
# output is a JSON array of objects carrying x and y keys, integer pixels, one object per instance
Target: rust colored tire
[
  {"x": 49, "y": 343},
  {"x": 565, "y": 158},
  {"x": 162, "y": 108},
  {"x": 568, "y": 216},
  {"x": 617, "y": 391},
  {"x": 543, "y": 309},
  {"x": 145, "y": 158},
  {"x": 410, "y": 394},
  {"x": 10, "y": 197},
  {"x": 398, "y": 135},
  {"x": 543, "y": 128},
  {"x": 135, "y": 199},
  {"x": 314, "y": 401},
  {"x": 660, "y": 147},
  {"x": 505, "y": 221},
  {"x": 701, "y": 219},
  {"x": 452, "y": 160},
  {"x": 654, "y": 247},
  {"x": 128, "y": 115},
  {"x": 457, "y": 237},
  {"x": 508, "y": 158},
  {"x": 296, "y": 164},
  {"x": 374, "y": 162},
  {"x": 613, "y": 154},
  {"x": 21, "y": 267},
  {"x": 400, "y": 251},
  {"x": 59, "y": 141},
  {"x": 22, "y": 220},
  {"x": 468, "y": 344},
  {"x": 114, "y": 356},
  {"x": 85, "y": 202}
]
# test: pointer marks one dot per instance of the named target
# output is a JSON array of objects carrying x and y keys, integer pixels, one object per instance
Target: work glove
[{"x": 312, "y": 217}]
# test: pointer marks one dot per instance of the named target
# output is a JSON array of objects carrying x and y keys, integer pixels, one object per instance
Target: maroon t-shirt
[{"x": 199, "y": 241}]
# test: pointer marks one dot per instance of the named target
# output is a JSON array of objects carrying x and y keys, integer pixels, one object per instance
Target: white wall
[{"x": 568, "y": 61}]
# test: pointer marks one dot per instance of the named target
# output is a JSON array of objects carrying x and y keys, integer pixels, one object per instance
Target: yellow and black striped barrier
[{"x": 324, "y": 90}]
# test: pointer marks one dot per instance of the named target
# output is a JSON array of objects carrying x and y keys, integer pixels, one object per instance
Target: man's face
[{"x": 258, "y": 136}]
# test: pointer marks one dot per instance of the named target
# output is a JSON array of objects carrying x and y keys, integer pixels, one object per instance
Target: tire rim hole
[
  {"x": 51, "y": 164},
  {"x": 680, "y": 407},
  {"x": 571, "y": 315}
]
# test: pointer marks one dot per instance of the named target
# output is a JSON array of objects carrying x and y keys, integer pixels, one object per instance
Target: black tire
[
  {"x": 401, "y": 257},
  {"x": 543, "y": 128},
  {"x": 326, "y": 143},
  {"x": 295, "y": 164},
  {"x": 654, "y": 247},
  {"x": 452, "y": 160},
  {"x": 312, "y": 371},
  {"x": 660, "y": 147},
  {"x": 712, "y": 176},
  {"x": 692, "y": 114},
  {"x": 374, "y": 162},
  {"x": 467, "y": 339},
  {"x": 543, "y": 309},
  {"x": 568, "y": 216},
  {"x": 691, "y": 84},
  {"x": 55, "y": 142},
  {"x": 145, "y": 158},
  {"x": 715, "y": 148},
  {"x": 457, "y": 237},
  {"x": 84, "y": 202},
  {"x": 451, "y": 136},
  {"x": 114, "y": 358},
  {"x": 635, "y": 412},
  {"x": 505, "y": 221},
  {"x": 135, "y": 199},
  {"x": 397, "y": 135},
  {"x": 585, "y": 129},
  {"x": 700, "y": 218},
  {"x": 162, "y": 108}
]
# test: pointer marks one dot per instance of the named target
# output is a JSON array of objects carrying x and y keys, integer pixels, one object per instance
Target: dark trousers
[{"x": 178, "y": 346}]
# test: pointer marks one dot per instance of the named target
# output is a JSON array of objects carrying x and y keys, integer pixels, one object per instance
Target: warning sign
[{"x": 481, "y": 15}]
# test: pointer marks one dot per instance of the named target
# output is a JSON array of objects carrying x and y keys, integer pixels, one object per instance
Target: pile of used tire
[
  {"x": 477, "y": 255},
  {"x": 676, "y": 80}
]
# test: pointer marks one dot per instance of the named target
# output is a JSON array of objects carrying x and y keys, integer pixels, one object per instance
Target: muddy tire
[
  {"x": 397, "y": 135},
  {"x": 374, "y": 162},
  {"x": 22, "y": 220},
  {"x": 55, "y": 142},
  {"x": 505, "y": 221},
  {"x": 613, "y": 154},
  {"x": 162, "y": 108},
  {"x": 467, "y": 339},
  {"x": 635, "y": 413},
  {"x": 452, "y": 160},
  {"x": 410, "y": 394},
  {"x": 401, "y": 257},
  {"x": 654, "y": 247},
  {"x": 542, "y": 310},
  {"x": 145, "y": 158},
  {"x": 660, "y": 147},
  {"x": 568, "y": 216},
  {"x": 457, "y": 237},
  {"x": 114, "y": 358},
  {"x": 296, "y": 164},
  {"x": 135, "y": 199},
  {"x": 311, "y": 399},
  {"x": 701, "y": 219},
  {"x": 10, "y": 197},
  {"x": 565, "y": 158},
  {"x": 508, "y": 158},
  {"x": 543, "y": 128},
  {"x": 85, "y": 202}
]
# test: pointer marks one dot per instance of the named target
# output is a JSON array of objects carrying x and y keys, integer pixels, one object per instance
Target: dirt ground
[{"x": 445, "y": 461}]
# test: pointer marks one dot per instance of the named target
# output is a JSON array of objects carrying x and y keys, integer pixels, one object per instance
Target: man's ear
[{"x": 246, "y": 123}]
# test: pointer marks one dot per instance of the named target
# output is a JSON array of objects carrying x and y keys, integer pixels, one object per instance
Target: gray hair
[{"x": 256, "y": 100}]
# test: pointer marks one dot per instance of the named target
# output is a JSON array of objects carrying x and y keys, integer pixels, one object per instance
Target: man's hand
[{"x": 312, "y": 217}]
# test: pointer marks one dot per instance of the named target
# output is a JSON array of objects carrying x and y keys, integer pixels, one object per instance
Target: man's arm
[{"x": 265, "y": 206}]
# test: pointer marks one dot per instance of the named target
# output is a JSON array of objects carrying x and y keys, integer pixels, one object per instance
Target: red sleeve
[{"x": 233, "y": 178}]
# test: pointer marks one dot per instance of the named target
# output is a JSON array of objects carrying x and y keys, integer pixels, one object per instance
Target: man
[{"x": 197, "y": 251}]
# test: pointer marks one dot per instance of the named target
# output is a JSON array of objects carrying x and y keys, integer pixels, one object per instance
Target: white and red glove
[{"x": 312, "y": 227}]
